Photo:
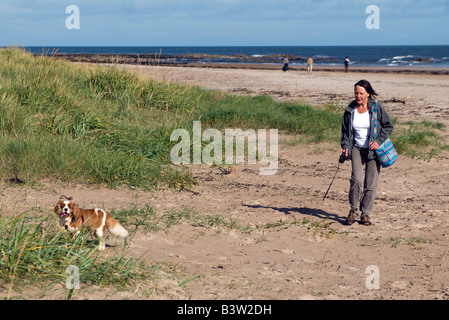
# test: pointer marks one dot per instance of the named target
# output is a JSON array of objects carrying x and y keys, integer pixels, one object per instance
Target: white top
[{"x": 361, "y": 128}]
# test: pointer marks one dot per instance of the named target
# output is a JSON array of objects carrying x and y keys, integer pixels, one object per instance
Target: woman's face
[{"x": 361, "y": 96}]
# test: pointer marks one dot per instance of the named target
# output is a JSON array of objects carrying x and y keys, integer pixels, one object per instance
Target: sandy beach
[
  {"x": 283, "y": 258},
  {"x": 408, "y": 93}
]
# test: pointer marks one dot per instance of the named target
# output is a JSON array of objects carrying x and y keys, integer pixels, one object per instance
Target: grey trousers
[{"x": 362, "y": 192}]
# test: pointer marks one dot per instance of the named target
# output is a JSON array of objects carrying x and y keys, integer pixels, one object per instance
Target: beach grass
[
  {"x": 148, "y": 219},
  {"x": 94, "y": 125},
  {"x": 35, "y": 251},
  {"x": 317, "y": 124},
  {"x": 104, "y": 125},
  {"x": 420, "y": 140}
]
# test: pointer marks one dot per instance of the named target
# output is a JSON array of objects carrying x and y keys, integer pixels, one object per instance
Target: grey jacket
[{"x": 384, "y": 126}]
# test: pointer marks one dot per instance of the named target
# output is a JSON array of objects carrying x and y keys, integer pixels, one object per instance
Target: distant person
[
  {"x": 347, "y": 62},
  {"x": 285, "y": 67},
  {"x": 309, "y": 65}
]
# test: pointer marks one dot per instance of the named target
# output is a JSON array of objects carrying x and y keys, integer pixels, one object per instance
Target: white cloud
[{"x": 12, "y": 10}]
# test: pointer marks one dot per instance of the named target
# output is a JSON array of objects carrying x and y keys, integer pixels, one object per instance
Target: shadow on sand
[{"x": 305, "y": 211}]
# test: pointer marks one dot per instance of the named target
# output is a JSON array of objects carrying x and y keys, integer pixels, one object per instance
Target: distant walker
[{"x": 347, "y": 62}]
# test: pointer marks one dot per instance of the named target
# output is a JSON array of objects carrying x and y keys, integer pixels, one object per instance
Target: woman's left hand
[{"x": 374, "y": 145}]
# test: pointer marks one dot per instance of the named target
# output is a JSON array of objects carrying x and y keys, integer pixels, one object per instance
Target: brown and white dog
[{"x": 72, "y": 218}]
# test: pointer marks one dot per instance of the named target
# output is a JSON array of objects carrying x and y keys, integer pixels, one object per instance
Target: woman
[
  {"x": 285, "y": 67},
  {"x": 347, "y": 62},
  {"x": 358, "y": 145}
]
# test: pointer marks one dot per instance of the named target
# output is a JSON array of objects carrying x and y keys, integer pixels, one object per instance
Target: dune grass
[
  {"x": 35, "y": 251},
  {"x": 107, "y": 126},
  {"x": 95, "y": 125},
  {"x": 421, "y": 140},
  {"x": 104, "y": 125}
]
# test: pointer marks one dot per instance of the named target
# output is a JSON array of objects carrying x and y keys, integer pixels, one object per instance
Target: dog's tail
[{"x": 117, "y": 229}]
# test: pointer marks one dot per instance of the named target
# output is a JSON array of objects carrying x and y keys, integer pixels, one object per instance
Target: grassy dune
[
  {"x": 95, "y": 125},
  {"x": 102, "y": 125}
]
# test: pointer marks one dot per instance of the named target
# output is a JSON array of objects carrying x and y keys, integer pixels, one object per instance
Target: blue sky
[{"x": 223, "y": 22}]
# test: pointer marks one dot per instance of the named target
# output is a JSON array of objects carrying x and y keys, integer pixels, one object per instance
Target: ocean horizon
[{"x": 426, "y": 56}]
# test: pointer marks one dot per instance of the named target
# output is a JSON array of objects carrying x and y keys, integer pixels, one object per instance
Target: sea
[{"x": 371, "y": 56}]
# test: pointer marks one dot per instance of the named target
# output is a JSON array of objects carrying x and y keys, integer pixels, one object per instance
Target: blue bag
[{"x": 386, "y": 153}]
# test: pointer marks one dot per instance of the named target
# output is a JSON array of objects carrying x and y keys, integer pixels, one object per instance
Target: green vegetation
[
  {"x": 103, "y": 125},
  {"x": 35, "y": 250},
  {"x": 395, "y": 242},
  {"x": 94, "y": 125},
  {"x": 318, "y": 227},
  {"x": 420, "y": 140},
  {"x": 148, "y": 220}
]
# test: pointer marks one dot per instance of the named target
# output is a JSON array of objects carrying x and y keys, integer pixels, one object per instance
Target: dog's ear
[{"x": 57, "y": 208}]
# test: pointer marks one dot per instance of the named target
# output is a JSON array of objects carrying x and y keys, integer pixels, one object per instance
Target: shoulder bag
[{"x": 386, "y": 153}]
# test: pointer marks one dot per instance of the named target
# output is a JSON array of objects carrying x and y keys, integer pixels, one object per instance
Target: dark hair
[{"x": 365, "y": 84}]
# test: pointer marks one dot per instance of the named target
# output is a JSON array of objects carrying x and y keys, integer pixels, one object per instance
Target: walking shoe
[
  {"x": 364, "y": 219},
  {"x": 351, "y": 217}
]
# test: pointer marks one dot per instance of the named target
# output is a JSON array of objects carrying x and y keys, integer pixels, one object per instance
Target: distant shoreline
[
  {"x": 155, "y": 60},
  {"x": 431, "y": 71}
]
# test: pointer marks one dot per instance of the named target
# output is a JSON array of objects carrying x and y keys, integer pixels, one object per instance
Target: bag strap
[{"x": 375, "y": 120}]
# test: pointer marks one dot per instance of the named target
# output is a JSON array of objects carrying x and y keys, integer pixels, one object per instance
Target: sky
[{"x": 223, "y": 22}]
